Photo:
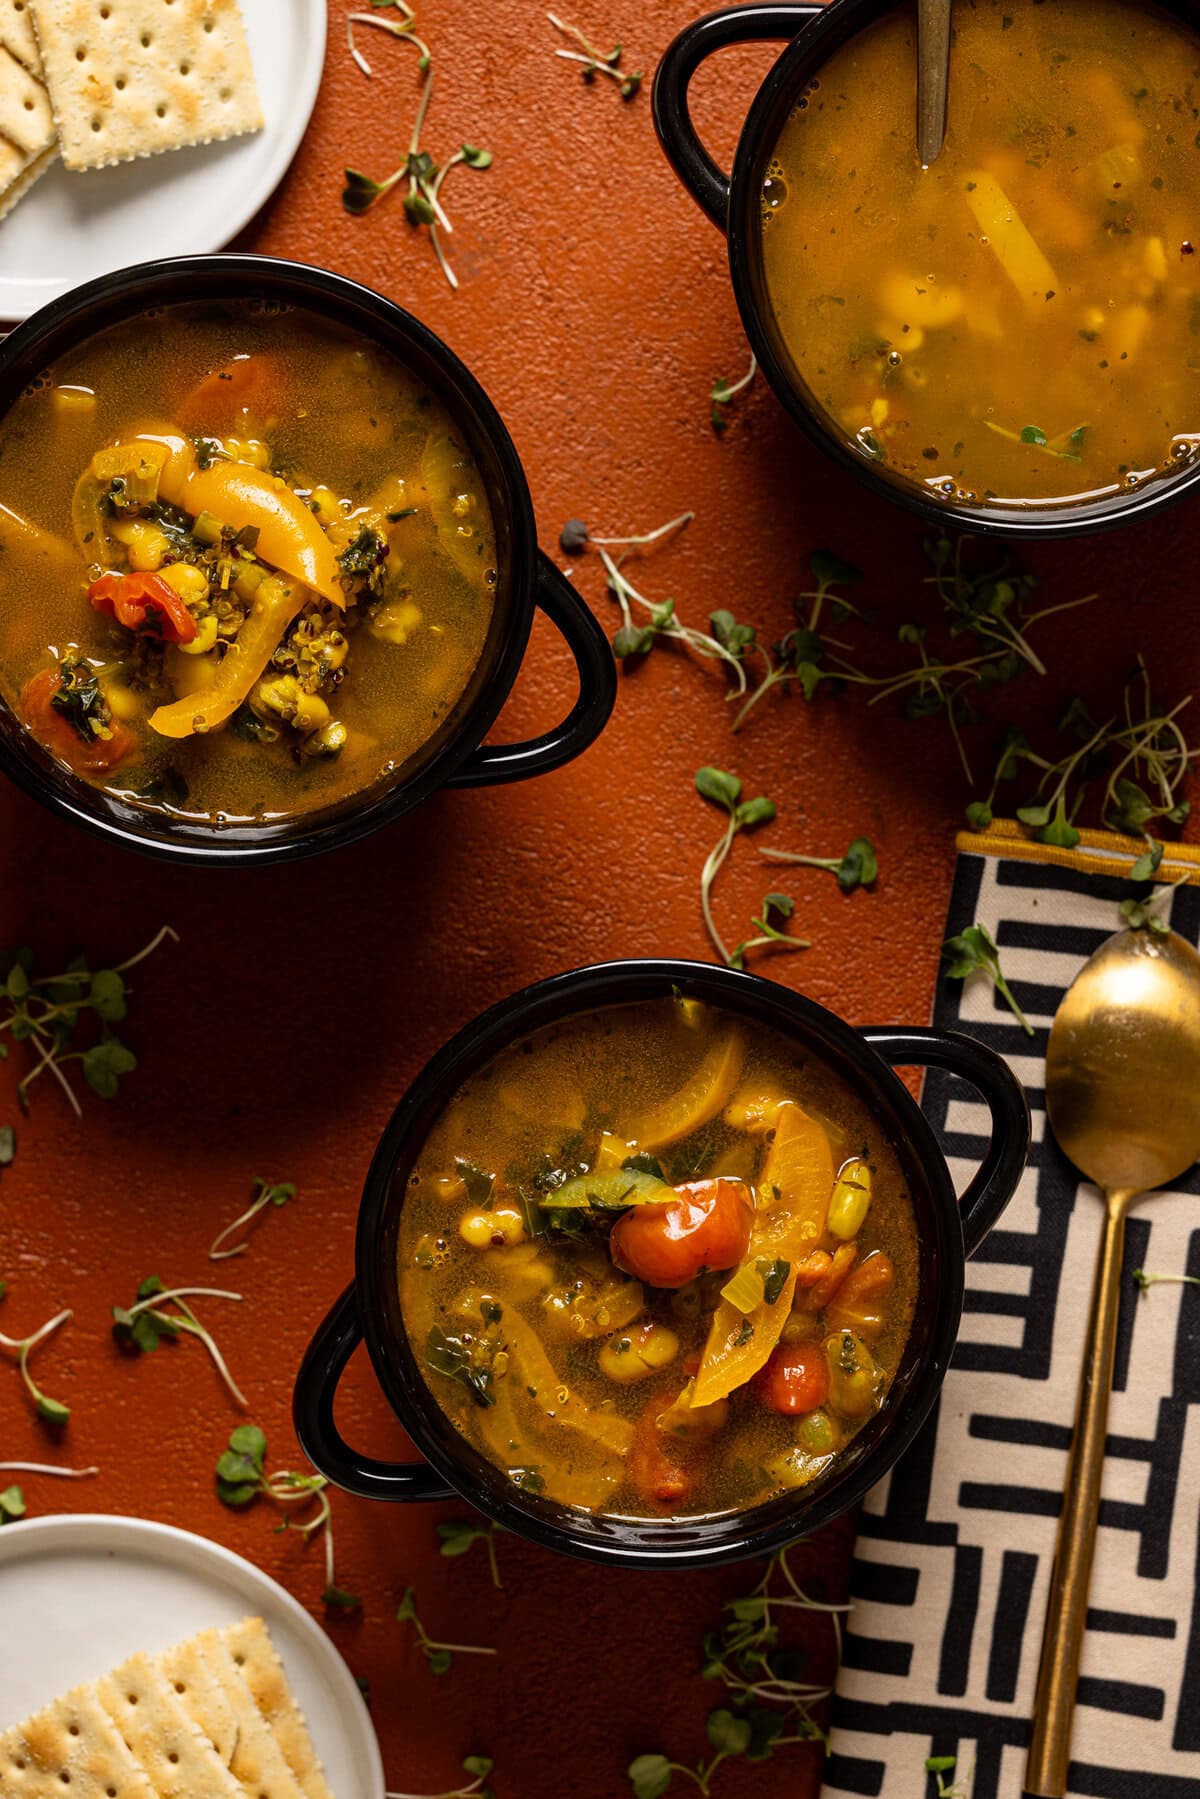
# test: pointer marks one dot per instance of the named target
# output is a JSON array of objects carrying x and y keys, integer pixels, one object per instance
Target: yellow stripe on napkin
[{"x": 1098, "y": 852}]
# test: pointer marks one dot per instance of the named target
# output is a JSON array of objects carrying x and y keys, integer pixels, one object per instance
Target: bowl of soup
[
  {"x": 268, "y": 564},
  {"x": 660, "y": 1264},
  {"x": 1009, "y": 339}
]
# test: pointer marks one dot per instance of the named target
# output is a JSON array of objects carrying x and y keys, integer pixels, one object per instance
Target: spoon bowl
[
  {"x": 1123, "y": 1100},
  {"x": 1123, "y": 1063}
]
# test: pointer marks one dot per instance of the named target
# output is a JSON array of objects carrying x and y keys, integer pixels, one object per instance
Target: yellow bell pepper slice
[
  {"x": 793, "y": 1203},
  {"x": 289, "y": 537},
  {"x": 276, "y": 603},
  {"x": 699, "y": 1100}
]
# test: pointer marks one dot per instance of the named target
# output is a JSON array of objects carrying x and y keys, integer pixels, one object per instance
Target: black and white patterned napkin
[{"x": 954, "y": 1550}]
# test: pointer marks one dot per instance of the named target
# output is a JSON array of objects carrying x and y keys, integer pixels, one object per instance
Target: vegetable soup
[
  {"x": 248, "y": 563},
  {"x": 655, "y": 1261},
  {"x": 1020, "y": 322}
]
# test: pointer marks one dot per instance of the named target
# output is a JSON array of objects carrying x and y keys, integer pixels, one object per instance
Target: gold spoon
[
  {"x": 1123, "y": 1098},
  {"x": 933, "y": 76}
]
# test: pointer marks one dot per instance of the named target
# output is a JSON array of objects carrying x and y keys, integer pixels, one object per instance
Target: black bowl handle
[
  {"x": 704, "y": 178},
  {"x": 1001, "y": 1169},
  {"x": 496, "y": 762},
  {"x": 320, "y": 1439}
]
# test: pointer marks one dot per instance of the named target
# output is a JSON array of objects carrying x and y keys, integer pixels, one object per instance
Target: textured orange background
[{"x": 275, "y": 1038}]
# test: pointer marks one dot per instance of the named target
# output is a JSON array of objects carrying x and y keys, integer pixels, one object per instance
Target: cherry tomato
[
  {"x": 796, "y": 1379},
  {"x": 53, "y": 729},
  {"x": 707, "y": 1226},
  {"x": 144, "y": 600}
]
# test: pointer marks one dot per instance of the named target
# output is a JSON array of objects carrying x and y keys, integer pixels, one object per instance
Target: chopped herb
[{"x": 452, "y": 1357}]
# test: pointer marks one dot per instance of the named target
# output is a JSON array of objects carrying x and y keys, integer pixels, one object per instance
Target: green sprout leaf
[{"x": 973, "y": 951}]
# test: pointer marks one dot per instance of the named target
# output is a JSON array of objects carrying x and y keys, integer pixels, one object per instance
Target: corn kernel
[
  {"x": 879, "y": 411},
  {"x": 68, "y": 399}
]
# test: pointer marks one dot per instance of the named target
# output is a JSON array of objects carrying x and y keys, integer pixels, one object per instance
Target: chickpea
[
  {"x": 634, "y": 1355},
  {"x": 189, "y": 582},
  {"x": 498, "y": 1229},
  {"x": 205, "y": 638},
  {"x": 147, "y": 543}
]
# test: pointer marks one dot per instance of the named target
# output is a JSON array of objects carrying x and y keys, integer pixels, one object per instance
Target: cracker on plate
[
  {"x": 25, "y": 116},
  {"x": 179, "y": 1760},
  {"x": 131, "y": 77},
  {"x": 254, "y": 1654},
  {"x": 19, "y": 186},
  {"x": 70, "y": 1748},
  {"x": 257, "y": 1760},
  {"x": 17, "y": 34},
  {"x": 201, "y": 1695}
]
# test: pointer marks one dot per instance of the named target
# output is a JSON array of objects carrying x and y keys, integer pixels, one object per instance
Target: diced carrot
[
  {"x": 249, "y": 385},
  {"x": 861, "y": 1302}
]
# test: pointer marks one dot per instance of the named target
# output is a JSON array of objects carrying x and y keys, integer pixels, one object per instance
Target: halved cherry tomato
[
  {"x": 248, "y": 384},
  {"x": 144, "y": 601},
  {"x": 653, "y": 1467},
  {"x": 707, "y": 1226},
  {"x": 58, "y": 734},
  {"x": 796, "y": 1379}
]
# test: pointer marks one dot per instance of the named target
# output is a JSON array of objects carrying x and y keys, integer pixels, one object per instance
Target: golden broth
[
  {"x": 364, "y": 446},
  {"x": 573, "y": 1376},
  {"x": 1020, "y": 322}
]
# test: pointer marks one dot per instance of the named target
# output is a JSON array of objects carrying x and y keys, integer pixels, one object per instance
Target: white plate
[
  {"x": 70, "y": 228},
  {"x": 80, "y": 1594}
]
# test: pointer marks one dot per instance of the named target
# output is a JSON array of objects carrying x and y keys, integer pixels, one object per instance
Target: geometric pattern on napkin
[{"x": 953, "y": 1557}]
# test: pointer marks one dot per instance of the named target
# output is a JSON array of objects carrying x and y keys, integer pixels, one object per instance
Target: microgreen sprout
[
  {"x": 266, "y": 1193},
  {"x": 595, "y": 62},
  {"x": 993, "y": 608},
  {"x": 1145, "y": 1281},
  {"x": 141, "y": 1327},
  {"x": 477, "y": 1766},
  {"x": 45, "y": 1011},
  {"x": 457, "y": 1536},
  {"x": 8, "y": 1145},
  {"x": 438, "y": 1655},
  {"x": 857, "y": 868},
  {"x": 974, "y": 951},
  {"x": 653, "y": 619},
  {"x": 52, "y": 1410},
  {"x": 773, "y": 1702},
  {"x": 725, "y": 790},
  {"x": 1140, "y": 752},
  {"x": 940, "y": 1766},
  {"x": 425, "y": 177},
  {"x": 1067, "y": 446},
  {"x": 723, "y": 392},
  {"x": 1146, "y": 914},
  {"x": 242, "y": 1478},
  {"x": 12, "y": 1498}
]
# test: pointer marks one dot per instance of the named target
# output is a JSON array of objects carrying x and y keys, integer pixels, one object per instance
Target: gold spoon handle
[{"x": 1066, "y": 1608}]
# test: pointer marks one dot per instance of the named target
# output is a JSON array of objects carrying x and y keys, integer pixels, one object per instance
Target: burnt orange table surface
[{"x": 595, "y": 308}]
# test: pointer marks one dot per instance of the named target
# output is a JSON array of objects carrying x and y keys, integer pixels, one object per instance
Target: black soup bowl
[
  {"x": 455, "y": 755},
  {"x": 733, "y": 202},
  {"x": 948, "y": 1231}
]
